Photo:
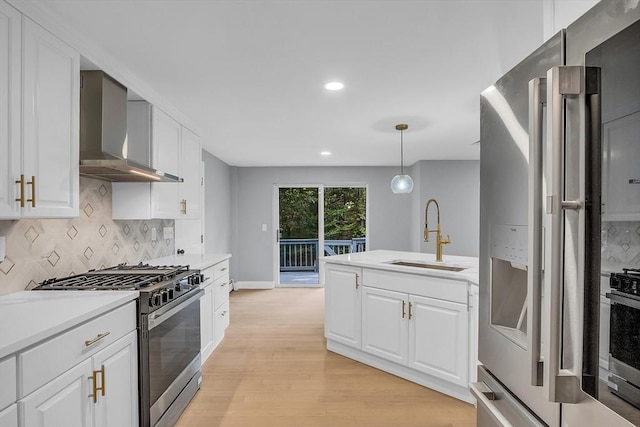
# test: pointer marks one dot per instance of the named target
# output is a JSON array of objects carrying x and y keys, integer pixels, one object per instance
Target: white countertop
[
  {"x": 28, "y": 317},
  {"x": 192, "y": 260},
  {"x": 380, "y": 260}
]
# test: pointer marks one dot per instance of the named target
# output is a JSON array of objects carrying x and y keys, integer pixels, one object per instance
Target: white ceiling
[{"x": 250, "y": 74}]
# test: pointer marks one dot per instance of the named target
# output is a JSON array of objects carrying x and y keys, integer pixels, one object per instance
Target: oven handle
[
  {"x": 156, "y": 318},
  {"x": 629, "y": 302}
]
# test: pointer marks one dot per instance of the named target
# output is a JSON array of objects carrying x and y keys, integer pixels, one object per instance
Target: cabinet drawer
[
  {"x": 427, "y": 286},
  {"x": 221, "y": 288},
  {"x": 46, "y": 361},
  {"x": 220, "y": 269},
  {"x": 7, "y": 382}
]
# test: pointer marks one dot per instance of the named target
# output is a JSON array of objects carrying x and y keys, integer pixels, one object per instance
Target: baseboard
[{"x": 253, "y": 285}]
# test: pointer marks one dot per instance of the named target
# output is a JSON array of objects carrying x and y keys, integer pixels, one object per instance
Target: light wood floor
[{"x": 273, "y": 369}]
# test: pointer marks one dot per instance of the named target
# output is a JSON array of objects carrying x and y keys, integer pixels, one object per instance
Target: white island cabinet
[
  {"x": 414, "y": 322},
  {"x": 75, "y": 363}
]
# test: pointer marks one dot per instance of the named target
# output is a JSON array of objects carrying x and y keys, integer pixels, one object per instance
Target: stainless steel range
[
  {"x": 624, "y": 337},
  {"x": 168, "y": 331}
]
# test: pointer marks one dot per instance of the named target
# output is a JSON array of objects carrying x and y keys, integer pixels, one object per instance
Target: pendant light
[{"x": 401, "y": 183}]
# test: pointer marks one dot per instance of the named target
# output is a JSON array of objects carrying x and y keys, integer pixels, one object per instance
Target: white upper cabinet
[
  {"x": 39, "y": 112},
  {"x": 165, "y": 149},
  {"x": 10, "y": 140},
  {"x": 174, "y": 150},
  {"x": 190, "y": 171}
]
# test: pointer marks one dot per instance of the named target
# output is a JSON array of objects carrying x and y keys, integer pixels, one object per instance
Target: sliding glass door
[{"x": 316, "y": 221}]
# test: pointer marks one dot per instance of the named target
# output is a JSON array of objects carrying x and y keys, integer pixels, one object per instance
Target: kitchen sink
[{"x": 427, "y": 265}]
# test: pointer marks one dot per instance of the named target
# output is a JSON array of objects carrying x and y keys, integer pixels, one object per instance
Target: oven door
[
  {"x": 624, "y": 347},
  {"x": 174, "y": 357}
]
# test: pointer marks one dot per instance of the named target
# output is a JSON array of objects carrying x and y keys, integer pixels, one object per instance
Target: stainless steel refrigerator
[{"x": 560, "y": 151}]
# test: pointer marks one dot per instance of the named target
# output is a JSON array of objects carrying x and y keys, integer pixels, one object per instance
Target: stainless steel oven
[
  {"x": 624, "y": 338},
  {"x": 170, "y": 353}
]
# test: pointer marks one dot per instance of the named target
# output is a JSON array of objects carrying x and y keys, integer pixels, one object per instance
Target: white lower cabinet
[
  {"x": 206, "y": 322},
  {"x": 385, "y": 324},
  {"x": 117, "y": 403},
  {"x": 9, "y": 416},
  {"x": 425, "y": 334},
  {"x": 343, "y": 305},
  {"x": 214, "y": 307},
  {"x": 418, "y": 327},
  {"x": 98, "y": 386},
  {"x": 438, "y": 338}
]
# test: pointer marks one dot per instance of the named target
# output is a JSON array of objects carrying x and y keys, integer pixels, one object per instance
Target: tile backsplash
[
  {"x": 621, "y": 243},
  {"x": 40, "y": 249}
]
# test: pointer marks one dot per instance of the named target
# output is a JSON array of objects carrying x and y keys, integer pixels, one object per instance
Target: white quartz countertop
[
  {"x": 192, "y": 260},
  {"x": 28, "y": 317},
  {"x": 381, "y": 259}
]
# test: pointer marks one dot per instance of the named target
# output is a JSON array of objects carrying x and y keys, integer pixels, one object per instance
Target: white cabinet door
[
  {"x": 621, "y": 169},
  {"x": 61, "y": 402},
  {"x": 165, "y": 137},
  {"x": 385, "y": 318},
  {"x": 50, "y": 124},
  {"x": 190, "y": 171},
  {"x": 438, "y": 338},
  {"x": 10, "y": 110},
  {"x": 221, "y": 319},
  {"x": 206, "y": 323},
  {"x": 9, "y": 416},
  {"x": 343, "y": 305},
  {"x": 118, "y": 407}
]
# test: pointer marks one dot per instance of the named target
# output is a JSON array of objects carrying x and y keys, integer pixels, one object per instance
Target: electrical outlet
[
  {"x": 154, "y": 234},
  {"x": 264, "y": 227},
  {"x": 2, "y": 249}
]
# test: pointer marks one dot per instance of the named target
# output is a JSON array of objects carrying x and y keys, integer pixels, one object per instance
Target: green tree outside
[{"x": 344, "y": 213}]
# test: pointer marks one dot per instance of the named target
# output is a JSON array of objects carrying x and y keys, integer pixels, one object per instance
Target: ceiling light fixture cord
[{"x": 401, "y": 153}]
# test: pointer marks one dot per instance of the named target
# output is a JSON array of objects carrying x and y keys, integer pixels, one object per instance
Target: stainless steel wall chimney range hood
[{"x": 105, "y": 152}]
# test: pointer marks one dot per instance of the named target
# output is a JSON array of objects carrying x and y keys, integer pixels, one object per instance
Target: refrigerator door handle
[
  {"x": 537, "y": 100},
  {"x": 563, "y": 385}
]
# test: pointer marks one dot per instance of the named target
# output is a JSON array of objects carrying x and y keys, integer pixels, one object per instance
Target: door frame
[{"x": 276, "y": 220}]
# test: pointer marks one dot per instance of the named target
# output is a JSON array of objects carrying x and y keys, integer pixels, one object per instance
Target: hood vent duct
[{"x": 104, "y": 149}]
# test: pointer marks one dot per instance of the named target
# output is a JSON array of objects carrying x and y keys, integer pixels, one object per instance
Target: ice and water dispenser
[{"x": 508, "y": 279}]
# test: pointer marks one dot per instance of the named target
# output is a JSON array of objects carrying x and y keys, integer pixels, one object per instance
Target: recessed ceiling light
[
  {"x": 334, "y": 86},
  {"x": 325, "y": 153}
]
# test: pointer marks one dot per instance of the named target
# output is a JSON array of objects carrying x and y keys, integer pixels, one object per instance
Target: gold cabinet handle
[
  {"x": 21, "y": 198},
  {"x": 410, "y": 315},
  {"x": 357, "y": 284},
  {"x": 96, "y": 339},
  {"x": 403, "y": 309},
  {"x": 33, "y": 191},
  {"x": 95, "y": 384},
  {"x": 183, "y": 202}
]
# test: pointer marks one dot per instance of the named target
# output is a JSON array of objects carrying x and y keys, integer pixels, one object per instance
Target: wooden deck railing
[{"x": 302, "y": 254}]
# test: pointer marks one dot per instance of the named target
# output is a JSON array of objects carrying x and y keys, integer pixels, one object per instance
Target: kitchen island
[{"x": 406, "y": 314}]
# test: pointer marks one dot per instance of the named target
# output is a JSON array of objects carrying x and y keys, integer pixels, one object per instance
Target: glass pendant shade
[{"x": 401, "y": 184}]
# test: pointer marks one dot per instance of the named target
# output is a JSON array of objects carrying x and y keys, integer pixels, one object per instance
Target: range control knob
[{"x": 196, "y": 279}]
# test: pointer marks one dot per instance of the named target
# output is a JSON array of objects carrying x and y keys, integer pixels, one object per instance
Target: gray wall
[
  {"x": 217, "y": 205},
  {"x": 455, "y": 184},
  {"x": 254, "y": 189}
]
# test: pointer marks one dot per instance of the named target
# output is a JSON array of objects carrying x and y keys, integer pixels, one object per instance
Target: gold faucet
[{"x": 439, "y": 240}]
